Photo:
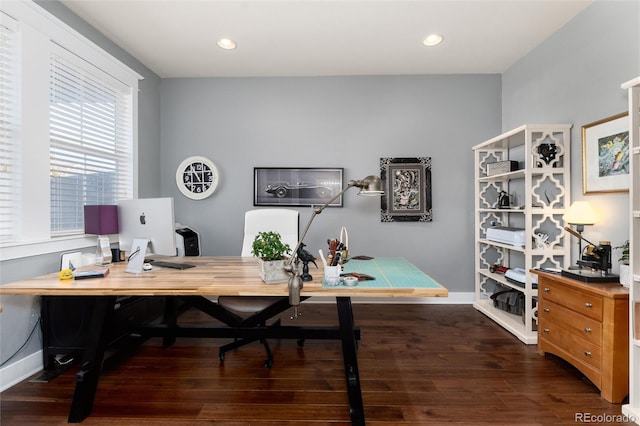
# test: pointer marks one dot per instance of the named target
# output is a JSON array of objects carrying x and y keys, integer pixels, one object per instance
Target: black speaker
[{"x": 191, "y": 245}]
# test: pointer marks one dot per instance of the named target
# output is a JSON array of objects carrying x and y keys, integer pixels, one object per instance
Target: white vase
[
  {"x": 625, "y": 275},
  {"x": 272, "y": 271}
]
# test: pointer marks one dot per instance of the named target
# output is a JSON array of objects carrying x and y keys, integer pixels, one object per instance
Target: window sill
[{"x": 11, "y": 251}]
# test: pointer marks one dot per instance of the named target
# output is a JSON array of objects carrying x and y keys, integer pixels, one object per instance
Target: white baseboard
[{"x": 20, "y": 370}]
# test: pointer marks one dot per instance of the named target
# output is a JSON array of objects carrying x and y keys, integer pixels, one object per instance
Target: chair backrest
[{"x": 283, "y": 221}]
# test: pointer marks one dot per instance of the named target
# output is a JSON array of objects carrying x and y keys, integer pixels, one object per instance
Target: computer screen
[{"x": 151, "y": 219}]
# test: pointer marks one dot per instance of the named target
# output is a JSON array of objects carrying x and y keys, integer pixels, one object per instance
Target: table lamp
[
  {"x": 101, "y": 220},
  {"x": 580, "y": 214},
  {"x": 369, "y": 186}
]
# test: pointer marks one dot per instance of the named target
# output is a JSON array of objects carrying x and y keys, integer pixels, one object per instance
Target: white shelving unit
[
  {"x": 539, "y": 192},
  {"x": 632, "y": 409}
]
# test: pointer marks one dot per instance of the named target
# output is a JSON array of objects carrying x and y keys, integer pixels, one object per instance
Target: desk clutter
[
  {"x": 337, "y": 256},
  {"x": 338, "y": 250}
]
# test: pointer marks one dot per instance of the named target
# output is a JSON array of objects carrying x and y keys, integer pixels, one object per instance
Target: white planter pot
[
  {"x": 272, "y": 271},
  {"x": 625, "y": 275}
]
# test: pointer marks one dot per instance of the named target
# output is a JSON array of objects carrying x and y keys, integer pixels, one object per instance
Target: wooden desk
[{"x": 226, "y": 276}]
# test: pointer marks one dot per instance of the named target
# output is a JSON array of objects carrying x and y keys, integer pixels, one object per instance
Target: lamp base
[
  {"x": 588, "y": 276},
  {"x": 103, "y": 251}
]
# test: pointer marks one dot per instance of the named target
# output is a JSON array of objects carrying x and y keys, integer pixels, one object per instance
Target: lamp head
[
  {"x": 581, "y": 213},
  {"x": 101, "y": 219},
  {"x": 370, "y": 185}
]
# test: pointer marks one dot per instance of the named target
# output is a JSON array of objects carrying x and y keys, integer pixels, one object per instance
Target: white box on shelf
[{"x": 506, "y": 235}]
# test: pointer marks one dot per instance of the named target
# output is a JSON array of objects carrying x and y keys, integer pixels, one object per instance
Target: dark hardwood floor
[{"x": 419, "y": 364}]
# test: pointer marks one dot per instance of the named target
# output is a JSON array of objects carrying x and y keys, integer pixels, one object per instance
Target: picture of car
[
  {"x": 300, "y": 186},
  {"x": 298, "y": 190}
]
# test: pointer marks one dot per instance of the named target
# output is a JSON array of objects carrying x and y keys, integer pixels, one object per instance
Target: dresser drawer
[
  {"x": 588, "y": 304},
  {"x": 581, "y": 325},
  {"x": 578, "y": 348}
]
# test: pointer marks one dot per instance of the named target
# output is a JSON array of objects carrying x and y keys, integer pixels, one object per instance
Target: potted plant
[
  {"x": 625, "y": 273},
  {"x": 271, "y": 252}
]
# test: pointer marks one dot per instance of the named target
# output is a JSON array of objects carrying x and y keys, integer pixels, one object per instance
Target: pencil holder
[{"x": 332, "y": 275}]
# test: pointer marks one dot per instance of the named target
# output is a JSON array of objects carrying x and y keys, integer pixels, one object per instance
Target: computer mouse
[{"x": 147, "y": 266}]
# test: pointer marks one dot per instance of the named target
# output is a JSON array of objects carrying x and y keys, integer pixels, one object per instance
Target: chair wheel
[
  {"x": 221, "y": 357},
  {"x": 268, "y": 363},
  {"x": 300, "y": 343}
]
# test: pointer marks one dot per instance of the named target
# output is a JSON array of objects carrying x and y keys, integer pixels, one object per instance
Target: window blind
[
  {"x": 9, "y": 121},
  {"x": 91, "y": 140}
]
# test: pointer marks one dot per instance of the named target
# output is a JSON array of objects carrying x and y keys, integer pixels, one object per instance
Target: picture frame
[
  {"x": 297, "y": 186},
  {"x": 407, "y": 185},
  {"x": 605, "y": 155}
]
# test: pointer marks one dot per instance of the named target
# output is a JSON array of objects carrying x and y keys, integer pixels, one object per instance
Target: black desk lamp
[
  {"x": 370, "y": 185},
  {"x": 580, "y": 214}
]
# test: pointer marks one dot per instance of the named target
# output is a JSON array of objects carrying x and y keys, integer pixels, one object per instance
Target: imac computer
[{"x": 151, "y": 219}]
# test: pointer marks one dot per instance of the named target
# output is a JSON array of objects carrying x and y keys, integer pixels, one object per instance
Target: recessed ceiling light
[
  {"x": 226, "y": 43},
  {"x": 432, "y": 40}
]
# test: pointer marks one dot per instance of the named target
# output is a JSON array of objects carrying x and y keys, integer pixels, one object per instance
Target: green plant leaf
[{"x": 269, "y": 246}]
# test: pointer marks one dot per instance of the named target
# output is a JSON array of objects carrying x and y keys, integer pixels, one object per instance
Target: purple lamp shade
[{"x": 101, "y": 220}]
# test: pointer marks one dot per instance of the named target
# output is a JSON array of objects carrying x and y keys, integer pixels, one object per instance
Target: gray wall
[
  {"x": 575, "y": 77},
  {"x": 350, "y": 122}
]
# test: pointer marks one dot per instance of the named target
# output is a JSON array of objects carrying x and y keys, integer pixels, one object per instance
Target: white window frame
[{"x": 37, "y": 29}]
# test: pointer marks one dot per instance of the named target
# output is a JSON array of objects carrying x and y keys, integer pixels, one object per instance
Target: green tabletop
[{"x": 389, "y": 272}]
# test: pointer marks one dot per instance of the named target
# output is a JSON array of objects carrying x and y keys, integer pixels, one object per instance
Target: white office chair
[
  {"x": 256, "y": 310},
  {"x": 283, "y": 221}
]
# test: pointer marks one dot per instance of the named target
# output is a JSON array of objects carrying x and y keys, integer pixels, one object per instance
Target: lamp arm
[
  {"x": 577, "y": 235},
  {"x": 295, "y": 282},
  {"x": 316, "y": 211}
]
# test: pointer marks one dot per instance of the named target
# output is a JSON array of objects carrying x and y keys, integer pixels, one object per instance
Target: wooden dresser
[{"x": 587, "y": 324}]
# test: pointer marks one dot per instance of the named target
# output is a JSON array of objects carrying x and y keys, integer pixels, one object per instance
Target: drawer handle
[
  {"x": 546, "y": 330},
  {"x": 587, "y": 329},
  {"x": 547, "y": 289},
  {"x": 547, "y": 310},
  {"x": 587, "y": 305},
  {"x": 587, "y": 353}
]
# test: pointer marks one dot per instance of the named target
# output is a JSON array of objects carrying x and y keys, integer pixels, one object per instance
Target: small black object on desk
[
  {"x": 306, "y": 257},
  {"x": 590, "y": 276},
  {"x": 172, "y": 265}
]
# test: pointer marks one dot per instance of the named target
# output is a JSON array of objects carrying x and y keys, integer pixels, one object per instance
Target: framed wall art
[
  {"x": 605, "y": 155},
  {"x": 288, "y": 186},
  {"x": 407, "y": 185}
]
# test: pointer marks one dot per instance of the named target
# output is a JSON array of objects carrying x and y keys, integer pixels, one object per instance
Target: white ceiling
[{"x": 342, "y": 37}]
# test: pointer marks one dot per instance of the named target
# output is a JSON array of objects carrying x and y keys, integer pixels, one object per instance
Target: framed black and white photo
[
  {"x": 605, "y": 155},
  {"x": 407, "y": 185},
  {"x": 288, "y": 186}
]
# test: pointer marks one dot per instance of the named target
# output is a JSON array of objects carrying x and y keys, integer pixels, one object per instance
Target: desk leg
[
  {"x": 87, "y": 377},
  {"x": 350, "y": 357},
  {"x": 170, "y": 319}
]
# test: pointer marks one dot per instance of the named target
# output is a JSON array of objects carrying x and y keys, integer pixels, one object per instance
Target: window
[
  {"x": 8, "y": 125},
  {"x": 90, "y": 133},
  {"x": 68, "y": 120}
]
